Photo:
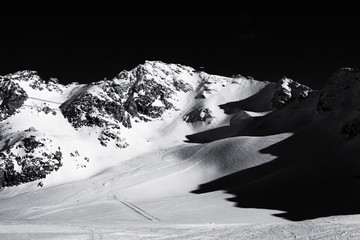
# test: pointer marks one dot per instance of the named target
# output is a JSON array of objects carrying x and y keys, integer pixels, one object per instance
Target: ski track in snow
[
  {"x": 136, "y": 209},
  {"x": 44, "y": 100}
]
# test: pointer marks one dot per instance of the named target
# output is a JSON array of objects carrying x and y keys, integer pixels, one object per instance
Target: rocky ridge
[
  {"x": 287, "y": 91},
  {"x": 142, "y": 94}
]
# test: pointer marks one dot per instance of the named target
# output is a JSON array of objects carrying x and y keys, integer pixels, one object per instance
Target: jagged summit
[
  {"x": 34, "y": 81},
  {"x": 23, "y": 75},
  {"x": 142, "y": 94},
  {"x": 287, "y": 90},
  {"x": 162, "y": 73}
]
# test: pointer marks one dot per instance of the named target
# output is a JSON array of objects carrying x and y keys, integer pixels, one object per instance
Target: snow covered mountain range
[
  {"x": 160, "y": 136},
  {"x": 107, "y": 110}
]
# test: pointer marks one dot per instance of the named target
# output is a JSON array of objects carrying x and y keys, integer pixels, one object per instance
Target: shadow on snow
[{"x": 314, "y": 173}]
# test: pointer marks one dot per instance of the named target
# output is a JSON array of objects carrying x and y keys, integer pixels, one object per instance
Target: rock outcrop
[
  {"x": 287, "y": 91},
  {"x": 28, "y": 159},
  {"x": 198, "y": 115},
  {"x": 34, "y": 81},
  {"x": 12, "y": 97}
]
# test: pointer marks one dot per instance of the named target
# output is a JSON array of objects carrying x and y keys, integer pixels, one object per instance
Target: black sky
[{"x": 305, "y": 46}]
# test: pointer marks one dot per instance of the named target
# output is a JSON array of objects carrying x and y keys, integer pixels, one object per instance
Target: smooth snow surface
[{"x": 338, "y": 227}]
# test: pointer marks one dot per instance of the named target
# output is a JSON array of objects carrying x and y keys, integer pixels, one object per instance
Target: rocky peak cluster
[
  {"x": 152, "y": 88},
  {"x": 144, "y": 93},
  {"x": 35, "y": 81},
  {"x": 287, "y": 91}
]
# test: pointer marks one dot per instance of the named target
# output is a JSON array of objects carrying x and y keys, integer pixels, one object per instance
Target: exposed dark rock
[
  {"x": 35, "y": 81},
  {"x": 143, "y": 96},
  {"x": 182, "y": 86},
  {"x": 35, "y": 163},
  {"x": 30, "y": 129},
  {"x": 341, "y": 94},
  {"x": 81, "y": 161},
  {"x": 46, "y": 109},
  {"x": 198, "y": 115},
  {"x": 144, "y": 93},
  {"x": 112, "y": 135},
  {"x": 287, "y": 91},
  {"x": 57, "y": 155},
  {"x": 30, "y": 144},
  {"x": 351, "y": 129},
  {"x": 12, "y": 97},
  {"x": 200, "y": 96},
  {"x": 90, "y": 110},
  {"x": 2, "y": 178}
]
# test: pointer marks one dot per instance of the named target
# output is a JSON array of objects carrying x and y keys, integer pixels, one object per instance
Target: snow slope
[
  {"x": 205, "y": 156},
  {"x": 160, "y": 104}
]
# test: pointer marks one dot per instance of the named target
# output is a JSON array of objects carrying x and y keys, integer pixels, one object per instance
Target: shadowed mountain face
[
  {"x": 308, "y": 179},
  {"x": 315, "y": 173},
  {"x": 289, "y": 119}
]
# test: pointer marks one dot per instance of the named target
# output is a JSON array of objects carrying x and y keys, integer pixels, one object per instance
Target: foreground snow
[{"x": 329, "y": 228}]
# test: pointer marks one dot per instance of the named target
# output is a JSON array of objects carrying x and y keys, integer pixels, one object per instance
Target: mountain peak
[
  {"x": 23, "y": 75},
  {"x": 288, "y": 90}
]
